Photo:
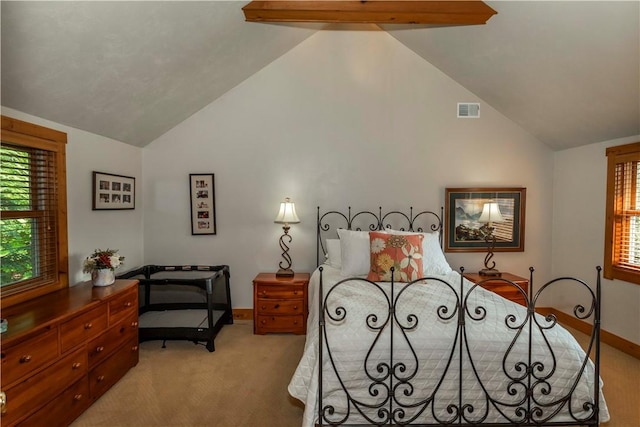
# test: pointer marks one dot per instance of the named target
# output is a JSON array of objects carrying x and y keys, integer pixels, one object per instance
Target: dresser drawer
[
  {"x": 24, "y": 358},
  {"x": 293, "y": 324},
  {"x": 101, "y": 347},
  {"x": 83, "y": 327},
  {"x": 63, "y": 409},
  {"x": 279, "y": 292},
  {"x": 106, "y": 374},
  {"x": 123, "y": 305},
  {"x": 44, "y": 386},
  {"x": 274, "y": 306}
]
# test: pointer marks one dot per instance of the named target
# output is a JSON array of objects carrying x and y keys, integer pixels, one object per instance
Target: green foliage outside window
[{"x": 16, "y": 235}]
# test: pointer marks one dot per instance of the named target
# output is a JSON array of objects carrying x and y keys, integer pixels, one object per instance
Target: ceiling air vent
[{"x": 468, "y": 110}]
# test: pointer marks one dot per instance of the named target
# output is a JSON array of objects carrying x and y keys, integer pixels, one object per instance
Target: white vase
[{"x": 103, "y": 277}]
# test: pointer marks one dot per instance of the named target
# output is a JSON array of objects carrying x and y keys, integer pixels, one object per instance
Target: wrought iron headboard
[{"x": 367, "y": 220}]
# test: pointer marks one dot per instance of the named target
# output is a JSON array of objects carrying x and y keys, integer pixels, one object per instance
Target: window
[
  {"x": 622, "y": 233},
  {"x": 33, "y": 200}
]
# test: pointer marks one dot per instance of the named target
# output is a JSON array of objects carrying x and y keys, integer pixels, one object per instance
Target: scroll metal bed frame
[{"x": 391, "y": 380}]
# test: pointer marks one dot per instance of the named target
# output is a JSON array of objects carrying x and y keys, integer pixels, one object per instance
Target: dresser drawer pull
[
  {"x": 295, "y": 307},
  {"x": 264, "y": 307},
  {"x": 77, "y": 397},
  {"x": 295, "y": 322},
  {"x": 134, "y": 348},
  {"x": 88, "y": 325},
  {"x": 276, "y": 306},
  {"x": 99, "y": 349},
  {"x": 264, "y": 293},
  {"x": 128, "y": 304},
  {"x": 100, "y": 378},
  {"x": 134, "y": 324},
  {"x": 25, "y": 359},
  {"x": 264, "y": 322},
  {"x": 295, "y": 292},
  {"x": 3, "y": 402},
  {"x": 76, "y": 365}
]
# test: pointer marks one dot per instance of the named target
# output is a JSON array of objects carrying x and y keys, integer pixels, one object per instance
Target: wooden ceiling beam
[{"x": 373, "y": 11}]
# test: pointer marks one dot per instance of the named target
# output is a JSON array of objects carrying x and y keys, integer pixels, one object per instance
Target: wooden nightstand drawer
[
  {"x": 279, "y": 292},
  {"x": 501, "y": 287},
  {"x": 280, "y": 304},
  {"x": 294, "y": 324},
  {"x": 286, "y": 307}
]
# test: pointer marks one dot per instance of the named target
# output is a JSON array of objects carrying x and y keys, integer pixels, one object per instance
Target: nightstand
[
  {"x": 501, "y": 288},
  {"x": 280, "y": 303}
]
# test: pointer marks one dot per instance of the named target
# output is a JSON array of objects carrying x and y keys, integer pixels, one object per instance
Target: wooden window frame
[
  {"x": 20, "y": 133},
  {"x": 612, "y": 269}
]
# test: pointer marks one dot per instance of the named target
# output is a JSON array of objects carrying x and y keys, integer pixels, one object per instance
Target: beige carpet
[{"x": 244, "y": 383}]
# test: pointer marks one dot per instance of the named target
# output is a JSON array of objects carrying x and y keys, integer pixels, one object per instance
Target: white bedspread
[{"x": 433, "y": 339}]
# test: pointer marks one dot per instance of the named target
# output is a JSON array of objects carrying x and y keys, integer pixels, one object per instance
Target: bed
[
  {"x": 429, "y": 348},
  {"x": 182, "y": 302}
]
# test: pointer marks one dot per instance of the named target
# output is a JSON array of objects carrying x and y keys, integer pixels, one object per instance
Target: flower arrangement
[{"x": 102, "y": 259}]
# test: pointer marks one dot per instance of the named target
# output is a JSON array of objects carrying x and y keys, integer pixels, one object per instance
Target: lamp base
[
  {"x": 490, "y": 272},
  {"x": 285, "y": 273}
]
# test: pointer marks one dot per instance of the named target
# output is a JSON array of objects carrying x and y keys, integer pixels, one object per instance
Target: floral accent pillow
[{"x": 401, "y": 251}]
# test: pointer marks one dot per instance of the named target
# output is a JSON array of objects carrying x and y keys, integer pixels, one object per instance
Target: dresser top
[{"x": 35, "y": 314}]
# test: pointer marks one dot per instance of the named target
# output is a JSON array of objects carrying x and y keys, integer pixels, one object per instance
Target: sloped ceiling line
[{"x": 568, "y": 72}]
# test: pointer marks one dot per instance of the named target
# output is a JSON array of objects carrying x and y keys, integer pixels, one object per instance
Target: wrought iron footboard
[{"x": 402, "y": 381}]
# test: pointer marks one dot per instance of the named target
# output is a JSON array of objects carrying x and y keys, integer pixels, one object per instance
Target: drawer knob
[
  {"x": 100, "y": 378},
  {"x": 77, "y": 397},
  {"x": 3, "y": 402},
  {"x": 88, "y": 325},
  {"x": 295, "y": 322},
  {"x": 263, "y": 307},
  {"x": 25, "y": 359},
  {"x": 76, "y": 365},
  {"x": 264, "y": 293},
  {"x": 295, "y": 307},
  {"x": 276, "y": 306},
  {"x": 134, "y": 348},
  {"x": 99, "y": 349},
  {"x": 134, "y": 324},
  {"x": 264, "y": 322},
  {"x": 127, "y": 304}
]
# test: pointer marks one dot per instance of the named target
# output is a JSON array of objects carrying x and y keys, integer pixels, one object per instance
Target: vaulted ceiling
[{"x": 568, "y": 72}]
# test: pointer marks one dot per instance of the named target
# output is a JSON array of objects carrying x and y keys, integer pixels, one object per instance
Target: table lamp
[
  {"x": 286, "y": 215},
  {"x": 490, "y": 214}
]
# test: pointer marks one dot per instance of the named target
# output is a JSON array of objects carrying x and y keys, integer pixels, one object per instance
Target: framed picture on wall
[
  {"x": 113, "y": 191},
  {"x": 203, "y": 204},
  {"x": 471, "y": 213}
]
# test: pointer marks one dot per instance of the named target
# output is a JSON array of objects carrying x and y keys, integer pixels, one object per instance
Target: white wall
[
  {"x": 88, "y": 230},
  {"x": 344, "y": 119},
  {"x": 580, "y": 182}
]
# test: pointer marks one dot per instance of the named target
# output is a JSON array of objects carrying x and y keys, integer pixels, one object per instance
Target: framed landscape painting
[
  {"x": 466, "y": 229},
  {"x": 203, "y": 204}
]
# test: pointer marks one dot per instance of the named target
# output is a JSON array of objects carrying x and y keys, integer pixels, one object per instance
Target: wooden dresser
[
  {"x": 280, "y": 304},
  {"x": 64, "y": 350},
  {"x": 502, "y": 288}
]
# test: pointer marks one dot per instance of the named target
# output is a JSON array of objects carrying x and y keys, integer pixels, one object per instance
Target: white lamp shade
[
  {"x": 490, "y": 213},
  {"x": 287, "y": 213}
]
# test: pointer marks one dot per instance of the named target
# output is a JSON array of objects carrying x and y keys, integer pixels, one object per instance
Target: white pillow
[
  {"x": 433, "y": 260},
  {"x": 334, "y": 254},
  {"x": 355, "y": 252}
]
